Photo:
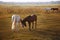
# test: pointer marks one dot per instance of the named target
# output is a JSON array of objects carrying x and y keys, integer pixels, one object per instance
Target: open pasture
[{"x": 48, "y": 24}]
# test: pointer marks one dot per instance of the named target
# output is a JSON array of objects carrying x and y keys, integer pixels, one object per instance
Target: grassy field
[{"x": 48, "y": 25}]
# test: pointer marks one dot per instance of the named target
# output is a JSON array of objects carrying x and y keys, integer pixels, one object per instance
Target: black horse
[{"x": 31, "y": 19}]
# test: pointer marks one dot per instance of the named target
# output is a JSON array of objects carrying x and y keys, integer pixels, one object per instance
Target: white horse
[
  {"x": 47, "y": 9},
  {"x": 15, "y": 21}
]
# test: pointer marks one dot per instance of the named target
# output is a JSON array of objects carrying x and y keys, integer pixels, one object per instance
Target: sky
[{"x": 28, "y": 0}]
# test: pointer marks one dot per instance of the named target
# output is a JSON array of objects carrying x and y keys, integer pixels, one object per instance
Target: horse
[
  {"x": 15, "y": 21},
  {"x": 47, "y": 9},
  {"x": 54, "y": 8},
  {"x": 31, "y": 19}
]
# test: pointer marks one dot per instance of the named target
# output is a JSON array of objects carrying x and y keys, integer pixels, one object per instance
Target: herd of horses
[
  {"x": 31, "y": 19},
  {"x": 52, "y": 9}
]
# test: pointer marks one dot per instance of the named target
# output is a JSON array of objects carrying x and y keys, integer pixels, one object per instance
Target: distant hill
[{"x": 19, "y": 3}]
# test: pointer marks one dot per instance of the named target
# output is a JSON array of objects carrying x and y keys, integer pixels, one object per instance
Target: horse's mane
[{"x": 26, "y": 17}]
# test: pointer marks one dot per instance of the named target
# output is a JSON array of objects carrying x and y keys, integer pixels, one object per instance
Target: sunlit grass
[{"x": 48, "y": 26}]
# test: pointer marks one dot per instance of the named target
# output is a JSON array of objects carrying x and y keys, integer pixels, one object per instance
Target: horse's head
[{"x": 23, "y": 23}]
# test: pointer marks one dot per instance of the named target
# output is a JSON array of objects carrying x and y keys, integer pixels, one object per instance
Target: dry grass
[{"x": 48, "y": 26}]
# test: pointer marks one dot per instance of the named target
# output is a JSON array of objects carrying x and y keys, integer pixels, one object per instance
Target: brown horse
[
  {"x": 30, "y": 19},
  {"x": 54, "y": 9}
]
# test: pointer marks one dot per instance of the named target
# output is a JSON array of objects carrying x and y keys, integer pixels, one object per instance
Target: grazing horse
[
  {"x": 54, "y": 8},
  {"x": 47, "y": 10},
  {"x": 15, "y": 21},
  {"x": 30, "y": 19}
]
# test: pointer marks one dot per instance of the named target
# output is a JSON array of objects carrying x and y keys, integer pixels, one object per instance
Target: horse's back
[
  {"x": 47, "y": 8},
  {"x": 16, "y": 18},
  {"x": 33, "y": 18}
]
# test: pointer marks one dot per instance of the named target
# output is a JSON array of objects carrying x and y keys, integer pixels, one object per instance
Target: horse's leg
[
  {"x": 29, "y": 26},
  {"x": 32, "y": 25},
  {"x": 13, "y": 26},
  {"x": 16, "y": 26},
  {"x": 35, "y": 24}
]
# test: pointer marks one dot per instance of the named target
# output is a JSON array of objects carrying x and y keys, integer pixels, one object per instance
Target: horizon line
[{"x": 26, "y": 2}]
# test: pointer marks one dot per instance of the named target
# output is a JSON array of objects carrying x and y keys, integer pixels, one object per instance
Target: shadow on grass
[{"x": 53, "y": 35}]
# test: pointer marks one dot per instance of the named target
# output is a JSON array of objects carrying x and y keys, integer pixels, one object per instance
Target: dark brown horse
[
  {"x": 31, "y": 20},
  {"x": 54, "y": 9}
]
